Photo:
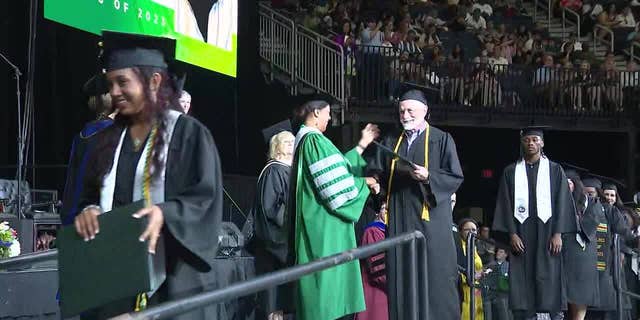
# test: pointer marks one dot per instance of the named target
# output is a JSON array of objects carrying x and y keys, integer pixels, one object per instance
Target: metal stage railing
[
  {"x": 471, "y": 274},
  {"x": 617, "y": 280},
  {"x": 173, "y": 308},
  {"x": 469, "y": 270},
  {"x": 28, "y": 259}
]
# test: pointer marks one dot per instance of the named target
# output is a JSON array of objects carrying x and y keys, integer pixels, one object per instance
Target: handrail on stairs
[
  {"x": 308, "y": 57},
  {"x": 280, "y": 38},
  {"x": 549, "y": 13},
  {"x": 564, "y": 21},
  {"x": 595, "y": 36},
  {"x": 330, "y": 77},
  {"x": 632, "y": 52}
]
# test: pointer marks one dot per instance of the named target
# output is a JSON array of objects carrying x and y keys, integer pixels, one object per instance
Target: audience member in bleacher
[
  {"x": 608, "y": 19},
  {"x": 583, "y": 90},
  {"x": 372, "y": 35},
  {"x": 629, "y": 82},
  {"x": 437, "y": 27},
  {"x": 627, "y": 18},
  {"x": 544, "y": 80},
  {"x": 476, "y": 21}
]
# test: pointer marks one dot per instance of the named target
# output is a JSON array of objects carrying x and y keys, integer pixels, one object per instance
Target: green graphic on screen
[{"x": 206, "y": 31}]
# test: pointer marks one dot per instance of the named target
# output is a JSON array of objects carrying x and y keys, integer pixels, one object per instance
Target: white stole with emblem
[{"x": 543, "y": 192}]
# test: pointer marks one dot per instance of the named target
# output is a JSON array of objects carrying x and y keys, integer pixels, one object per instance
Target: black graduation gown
[
  {"x": 579, "y": 265},
  {"x": 535, "y": 276},
  {"x": 270, "y": 242},
  {"x": 192, "y": 216},
  {"x": 614, "y": 224},
  {"x": 405, "y": 208}
]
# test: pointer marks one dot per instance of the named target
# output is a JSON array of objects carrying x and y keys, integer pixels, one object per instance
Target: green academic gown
[{"x": 329, "y": 195}]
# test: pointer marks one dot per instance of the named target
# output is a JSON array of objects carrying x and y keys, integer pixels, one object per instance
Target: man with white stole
[{"x": 534, "y": 207}]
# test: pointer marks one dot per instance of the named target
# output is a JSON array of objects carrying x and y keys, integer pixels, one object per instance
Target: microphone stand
[{"x": 17, "y": 73}]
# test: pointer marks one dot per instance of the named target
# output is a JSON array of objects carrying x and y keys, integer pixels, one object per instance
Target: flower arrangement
[{"x": 9, "y": 245}]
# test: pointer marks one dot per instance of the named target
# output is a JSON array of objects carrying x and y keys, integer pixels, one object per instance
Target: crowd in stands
[{"x": 452, "y": 44}]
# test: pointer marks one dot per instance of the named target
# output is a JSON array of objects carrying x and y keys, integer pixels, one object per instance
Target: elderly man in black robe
[
  {"x": 534, "y": 207},
  {"x": 419, "y": 198}
]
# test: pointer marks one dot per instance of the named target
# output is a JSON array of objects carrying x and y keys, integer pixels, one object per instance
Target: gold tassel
[
  {"x": 141, "y": 302},
  {"x": 425, "y": 209}
]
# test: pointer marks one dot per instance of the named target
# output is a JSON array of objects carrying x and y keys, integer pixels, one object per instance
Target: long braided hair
[{"x": 155, "y": 112}]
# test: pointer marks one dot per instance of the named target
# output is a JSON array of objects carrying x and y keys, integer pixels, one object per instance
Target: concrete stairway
[{"x": 556, "y": 32}]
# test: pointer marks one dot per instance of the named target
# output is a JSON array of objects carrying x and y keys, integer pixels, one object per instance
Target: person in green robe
[{"x": 328, "y": 194}]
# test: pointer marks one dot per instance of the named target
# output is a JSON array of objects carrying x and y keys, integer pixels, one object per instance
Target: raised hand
[{"x": 369, "y": 133}]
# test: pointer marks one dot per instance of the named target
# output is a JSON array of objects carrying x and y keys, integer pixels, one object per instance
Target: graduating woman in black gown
[
  {"x": 579, "y": 252},
  {"x": 154, "y": 153}
]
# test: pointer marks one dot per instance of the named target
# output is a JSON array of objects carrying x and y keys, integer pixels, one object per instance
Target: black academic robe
[
  {"x": 192, "y": 216},
  {"x": 535, "y": 279},
  {"x": 579, "y": 263},
  {"x": 614, "y": 223},
  {"x": 76, "y": 168},
  {"x": 270, "y": 242},
  {"x": 406, "y": 200}
]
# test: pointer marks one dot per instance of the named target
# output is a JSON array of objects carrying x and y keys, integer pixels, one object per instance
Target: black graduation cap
[
  {"x": 411, "y": 91},
  {"x": 573, "y": 172},
  {"x": 414, "y": 94},
  {"x": 609, "y": 183},
  {"x": 125, "y": 50},
  {"x": 592, "y": 181},
  {"x": 271, "y": 131},
  {"x": 534, "y": 131},
  {"x": 96, "y": 85}
]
